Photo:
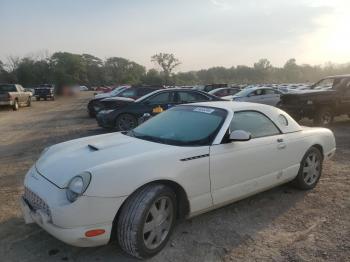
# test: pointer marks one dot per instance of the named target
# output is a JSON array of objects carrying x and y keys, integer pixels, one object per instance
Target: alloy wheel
[
  {"x": 311, "y": 169},
  {"x": 126, "y": 122},
  {"x": 158, "y": 222}
]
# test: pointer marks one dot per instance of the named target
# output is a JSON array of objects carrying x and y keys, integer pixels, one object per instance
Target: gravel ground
[{"x": 282, "y": 224}]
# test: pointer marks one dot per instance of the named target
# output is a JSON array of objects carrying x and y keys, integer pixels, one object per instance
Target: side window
[
  {"x": 162, "y": 98},
  {"x": 144, "y": 91},
  {"x": 188, "y": 97},
  {"x": 269, "y": 92},
  {"x": 324, "y": 84},
  {"x": 257, "y": 92},
  {"x": 253, "y": 122}
]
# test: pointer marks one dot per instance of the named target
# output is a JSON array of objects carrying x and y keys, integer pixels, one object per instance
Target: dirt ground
[{"x": 282, "y": 224}]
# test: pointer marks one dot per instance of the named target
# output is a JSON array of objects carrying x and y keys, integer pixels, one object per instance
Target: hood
[
  {"x": 118, "y": 98},
  {"x": 63, "y": 161},
  {"x": 103, "y": 95},
  {"x": 116, "y": 102}
]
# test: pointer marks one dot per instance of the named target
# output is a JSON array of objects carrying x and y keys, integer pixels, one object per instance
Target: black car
[
  {"x": 130, "y": 93},
  {"x": 324, "y": 100},
  {"x": 45, "y": 91},
  {"x": 126, "y": 114},
  {"x": 211, "y": 87}
]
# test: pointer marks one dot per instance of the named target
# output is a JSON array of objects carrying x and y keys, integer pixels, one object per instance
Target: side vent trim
[{"x": 194, "y": 157}]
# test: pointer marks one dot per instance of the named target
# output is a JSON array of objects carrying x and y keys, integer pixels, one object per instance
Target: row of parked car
[{"x": 125, "y": 106}]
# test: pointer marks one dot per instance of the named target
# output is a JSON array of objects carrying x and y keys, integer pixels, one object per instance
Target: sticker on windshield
[{"x": 204, "y": 110}]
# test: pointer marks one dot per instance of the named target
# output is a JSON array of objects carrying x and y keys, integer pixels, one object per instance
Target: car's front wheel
[
  {"x": 310, "y": 169},
  {"x": 147, "y": 220},
  {"x": 15, "y": 106},
  {"x": 126, "y": 122}
]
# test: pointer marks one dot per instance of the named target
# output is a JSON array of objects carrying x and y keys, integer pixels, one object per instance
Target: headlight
[
  {"x": 77, "y": 186},
  {"x": 106, "y": 111}
]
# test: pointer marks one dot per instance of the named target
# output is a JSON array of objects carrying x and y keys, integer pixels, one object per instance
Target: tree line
[{"x": 63, "y": 68}]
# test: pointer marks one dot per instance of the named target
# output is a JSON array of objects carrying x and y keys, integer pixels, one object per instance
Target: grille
[{"x": 36, "y": 202}]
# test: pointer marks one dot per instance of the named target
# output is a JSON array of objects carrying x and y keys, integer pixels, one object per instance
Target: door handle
[{"x": 280, "y": 140}]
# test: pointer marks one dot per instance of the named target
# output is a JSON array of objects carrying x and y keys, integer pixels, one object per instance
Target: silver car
[{"x": 261, "y": 95}]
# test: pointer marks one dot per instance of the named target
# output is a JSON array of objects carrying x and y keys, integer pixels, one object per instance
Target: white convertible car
[{"x": 188, "y": 160}]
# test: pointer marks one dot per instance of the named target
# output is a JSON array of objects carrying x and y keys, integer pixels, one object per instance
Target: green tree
[
  {"x": 119, "y": 70},
  {"x": 68, "y": 69},
  {"x": 167, "y": 62}
]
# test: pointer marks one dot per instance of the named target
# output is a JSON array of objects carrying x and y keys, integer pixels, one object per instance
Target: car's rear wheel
[
  {"x": 38, "y": 99},
  {"x": 147, "y": 220},
  {"x": 126, "y": 122},
  {"x": 15, "y": 106},
  {"x": 310, "y": 169},
  {"x": 324, "y": 117},
  {"x": 29, "y": 102}
]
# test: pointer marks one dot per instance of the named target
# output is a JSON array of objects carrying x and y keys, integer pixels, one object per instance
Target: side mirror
[{"x": 240, "y": 135}]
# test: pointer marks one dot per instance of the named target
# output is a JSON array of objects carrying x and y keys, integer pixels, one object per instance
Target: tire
[
  {"x": 308, "y": 176},
  {"x": 53, "y": 98},
  {"x": 137, "y": 211},
  {"x": 29, "y": 102},
  {"x": 15, "y": 106},
  {"x": 324, "y": 117},
  {"x": 125, "y": 122},
  {"x": 45, "y": 98},
  {"x": 38, "y": 99}
]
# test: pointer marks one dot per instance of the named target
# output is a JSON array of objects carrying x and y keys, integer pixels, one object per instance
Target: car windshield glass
[
  {"x": 244, "y": 92},
  {"x": 118, "y": 90},
  {"x": 7, "y": 88},
  {"x": 182, "y": 126}
]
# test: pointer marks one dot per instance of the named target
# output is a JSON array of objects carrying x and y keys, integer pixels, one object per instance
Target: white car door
[
  {"x": 240, "y": 169},
  {"x": 270, "y": 97}
]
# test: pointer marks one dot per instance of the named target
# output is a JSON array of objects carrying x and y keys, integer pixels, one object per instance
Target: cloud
[{"x": 222, "y": 4}]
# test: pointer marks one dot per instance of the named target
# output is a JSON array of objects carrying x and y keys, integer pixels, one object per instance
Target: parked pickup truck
[
  {"x": 45, "y": 91},
  {"x": 14, "y": 95},
  {"x": 326, "y": 99}
]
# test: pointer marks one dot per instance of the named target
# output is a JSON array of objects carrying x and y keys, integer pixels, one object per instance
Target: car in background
[
  {"x": 224, "y": 91},
  {"x": 191, "y": 159},
  {"x": 116, "y": 97},
  {"x": 14, "y": 95},
  {"x": 324, "y": 100},
  {"x": 83, "y": 88},
  {"x": 112, "y": 93},
  {"x": 261, "y": 95},
  {"x": 125, "y": 114},
  {"x": 44, "y": 91},
  {"x": 208, "y": 88}
]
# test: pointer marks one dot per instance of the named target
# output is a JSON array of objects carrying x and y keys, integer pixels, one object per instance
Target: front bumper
[
  {"x": 72, "y": 236},
  {"x": 67, "y": 221}
]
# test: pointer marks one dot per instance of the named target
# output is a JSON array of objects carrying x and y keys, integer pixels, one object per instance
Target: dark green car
[{"x": 125, "y": 115}]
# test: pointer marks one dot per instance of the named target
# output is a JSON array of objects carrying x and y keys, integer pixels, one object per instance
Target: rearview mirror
[{"x": 240, "y": 135}]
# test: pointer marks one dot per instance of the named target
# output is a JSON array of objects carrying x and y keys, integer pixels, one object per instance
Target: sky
[{"x": 201, "y": 33}]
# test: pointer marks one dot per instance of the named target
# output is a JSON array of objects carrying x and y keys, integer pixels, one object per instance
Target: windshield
[
  {"x": 7, "y": 88},
  {"x": 244, "y": 92},
  {"x": 118, "y": 90},
  {"x": 182, "y": 126}
]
